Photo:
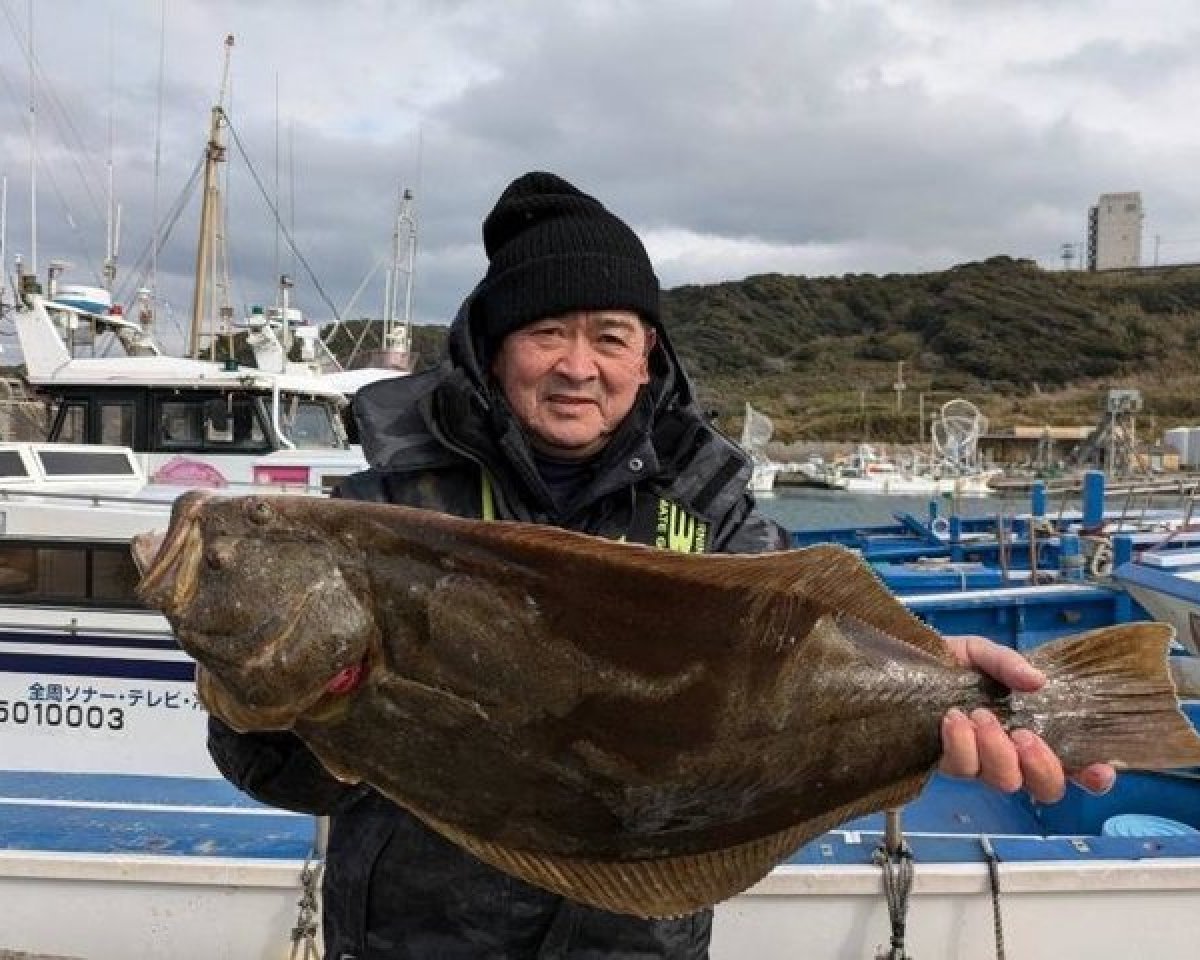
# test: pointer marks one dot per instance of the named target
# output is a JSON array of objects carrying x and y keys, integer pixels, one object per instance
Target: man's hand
[{"x": 976, "y": 746}]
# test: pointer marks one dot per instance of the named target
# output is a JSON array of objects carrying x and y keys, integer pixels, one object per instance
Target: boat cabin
[
  {"x": 192, "y": 422},
  {"x": 169, "y": 420}
]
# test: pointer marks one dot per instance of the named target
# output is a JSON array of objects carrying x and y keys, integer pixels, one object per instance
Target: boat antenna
[
  {"x": 209, "y": 208},
  {"x": 112, "y": 212},
  {"x": 147, "y": 302},
  {"x": 3, "y": 237},
  {"x": 276, "y": 261},
  {"x": 33, "y": 246}
]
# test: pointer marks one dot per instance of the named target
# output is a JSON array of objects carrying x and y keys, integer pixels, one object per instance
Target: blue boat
[{"x": 111, "y": 804}]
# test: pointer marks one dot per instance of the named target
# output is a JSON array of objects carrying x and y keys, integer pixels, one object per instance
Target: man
[{"x": 560, "y": 401}]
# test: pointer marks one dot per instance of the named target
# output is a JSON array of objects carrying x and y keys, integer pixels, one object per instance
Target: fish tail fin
[{"x": 1109, "y": 698}]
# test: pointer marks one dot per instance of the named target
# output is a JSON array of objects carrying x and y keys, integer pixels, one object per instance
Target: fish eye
[{"x": 259, "y": 511}]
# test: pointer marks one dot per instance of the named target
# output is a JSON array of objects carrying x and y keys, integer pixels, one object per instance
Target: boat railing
[{"x": 91, "y": 498}]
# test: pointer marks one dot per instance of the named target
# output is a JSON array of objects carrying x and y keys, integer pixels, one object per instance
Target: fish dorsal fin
[
  {"x": 830, "y": 579},
  {"x": 670, "y": 886},
  {"x": 842, "y": 585}
]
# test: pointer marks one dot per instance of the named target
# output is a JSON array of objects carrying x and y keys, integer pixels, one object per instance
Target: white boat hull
[
  {"x": 214, "y": 909},
  {"x": 916, "y": 485},
  {"x": 102, "y": 907},
  {"x": 1102, "y": 910},
  {"x": 762, "y": 478}
]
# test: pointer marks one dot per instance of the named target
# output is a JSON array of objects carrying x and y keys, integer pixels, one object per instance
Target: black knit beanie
[{"x": 553, "y": 249}]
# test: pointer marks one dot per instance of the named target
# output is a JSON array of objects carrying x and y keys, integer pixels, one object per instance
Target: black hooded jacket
[{"x": 445, "y": 440}]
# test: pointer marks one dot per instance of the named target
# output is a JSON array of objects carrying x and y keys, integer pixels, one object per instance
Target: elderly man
[{"x": 560, "y": 401}]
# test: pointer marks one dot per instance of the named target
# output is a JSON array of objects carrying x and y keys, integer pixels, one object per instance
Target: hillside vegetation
[{"x": 820, "y": 356}]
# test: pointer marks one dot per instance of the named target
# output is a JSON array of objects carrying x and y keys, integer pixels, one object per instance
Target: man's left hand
[{"x": 977, "y": 746}]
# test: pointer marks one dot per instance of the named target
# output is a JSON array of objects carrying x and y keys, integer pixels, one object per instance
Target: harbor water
[
  {"x": 813, "y": 509},
  {"x": 806, "y": 508}
]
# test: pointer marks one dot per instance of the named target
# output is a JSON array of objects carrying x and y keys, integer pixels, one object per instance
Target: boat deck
[
  {"x": 945, "y": 824},
  {"x": 192, "y": 817},
  {"x": 166, "y": 816}
]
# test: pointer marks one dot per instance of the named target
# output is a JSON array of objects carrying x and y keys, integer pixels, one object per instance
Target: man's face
[{"x": 570, "y": 380}]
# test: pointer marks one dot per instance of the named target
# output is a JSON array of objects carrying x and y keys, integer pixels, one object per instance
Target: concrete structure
[{"x": 1115, "y": 232}]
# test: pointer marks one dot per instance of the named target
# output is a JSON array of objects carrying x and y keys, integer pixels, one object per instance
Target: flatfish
[{"x": 643, "y": 731}]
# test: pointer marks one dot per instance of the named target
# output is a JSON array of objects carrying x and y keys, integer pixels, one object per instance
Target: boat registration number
[{"x": 72, "y": 715}]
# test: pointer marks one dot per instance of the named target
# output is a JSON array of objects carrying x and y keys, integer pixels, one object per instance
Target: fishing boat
[
  {"x": 1165, "y": 579},
  {"x": 110, "y": 802},
  {"x": 756, "y": 433},
  {"x": 868, "y": 472},
  {"x": 191, "y": 422},
  {"x": 110, "y": 798}
]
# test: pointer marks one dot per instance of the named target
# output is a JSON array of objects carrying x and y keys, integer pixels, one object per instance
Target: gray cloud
[{"x": 820, "y": 137}]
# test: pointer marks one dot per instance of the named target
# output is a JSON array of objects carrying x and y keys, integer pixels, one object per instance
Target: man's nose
[{"x": 578, "y": 359}]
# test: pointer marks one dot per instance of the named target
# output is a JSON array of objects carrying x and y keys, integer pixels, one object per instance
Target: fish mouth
[{"x": 169, "y": 561}]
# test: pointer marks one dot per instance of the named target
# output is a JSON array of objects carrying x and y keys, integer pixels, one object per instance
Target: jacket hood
[{"x": 439, "y": 417}]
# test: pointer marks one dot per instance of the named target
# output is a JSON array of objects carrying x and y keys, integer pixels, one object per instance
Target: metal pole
[
  {"x": 3, "y": 235},
  {"x": 33, "y": 244},
  {"x": 893, "y": 832},
  {"x": 214, "y": 153}
]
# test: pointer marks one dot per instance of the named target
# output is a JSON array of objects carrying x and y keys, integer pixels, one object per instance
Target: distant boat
[
  {"x": 1166, "y": 581},
  {"x": 867, "y": 472},
  {"x": 756, "y": 433},
  {"x": 951, "y": 467}
]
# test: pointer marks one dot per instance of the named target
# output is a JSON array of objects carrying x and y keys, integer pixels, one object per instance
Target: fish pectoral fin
[{"x": 669, "y": 886}]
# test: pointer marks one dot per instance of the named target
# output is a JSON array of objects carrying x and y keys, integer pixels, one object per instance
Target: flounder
[{"x": 643, "y": 731}]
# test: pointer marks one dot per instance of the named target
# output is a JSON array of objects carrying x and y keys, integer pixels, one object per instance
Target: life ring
[
  {"x": 1100, "y": 565},
  {"x": 940, "y": 528}
]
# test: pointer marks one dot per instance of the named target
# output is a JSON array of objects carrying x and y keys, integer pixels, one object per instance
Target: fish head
[{"x": 264, "y": 594}]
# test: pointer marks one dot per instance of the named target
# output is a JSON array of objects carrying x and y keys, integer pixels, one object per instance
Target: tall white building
[{"x": 1115, "y": 231}]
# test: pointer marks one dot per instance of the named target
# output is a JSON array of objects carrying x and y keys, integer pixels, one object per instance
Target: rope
[
  {"x": 897, "y": 868},
  {"x": 304, "y": 933},
  {"x": 993, "y": 863},
  {"x": 287, "y": 235}
]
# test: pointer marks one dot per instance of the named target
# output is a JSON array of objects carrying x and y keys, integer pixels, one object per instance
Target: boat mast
[
  {"x": 396, "y": 336},
  {"x": 214, "y": 153},
  {"x": 112, "y": 208},
  {"x": 33, "y": 246},
  {"x": 3, "y": 238}
]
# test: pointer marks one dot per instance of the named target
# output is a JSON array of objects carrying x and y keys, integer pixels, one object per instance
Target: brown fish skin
[{"x": 639, "y": 730}]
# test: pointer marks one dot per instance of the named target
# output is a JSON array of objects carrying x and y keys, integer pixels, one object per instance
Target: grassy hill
[
  {"x": 1026, "y": 345},
  {"x": 821, "y": 355}
]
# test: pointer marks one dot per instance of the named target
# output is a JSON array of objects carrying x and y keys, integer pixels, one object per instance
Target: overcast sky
[{"x": 810, "y": 137}]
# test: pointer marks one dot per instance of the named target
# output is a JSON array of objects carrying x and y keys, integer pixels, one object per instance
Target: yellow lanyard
[
  {"x": 677, "y": 530},
  {"x": 488, "y": 505}
]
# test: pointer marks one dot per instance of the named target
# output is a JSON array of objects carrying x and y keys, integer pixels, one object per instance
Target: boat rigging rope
[
  {"x": 896, "y": 860},
  {"x": 993, "y": 865},
  {"x": 284, "y": 231},
  {"x": 304, "y": 933}
]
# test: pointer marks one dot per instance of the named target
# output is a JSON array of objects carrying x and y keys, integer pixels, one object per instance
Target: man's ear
[{"x": 651, "y": 340}]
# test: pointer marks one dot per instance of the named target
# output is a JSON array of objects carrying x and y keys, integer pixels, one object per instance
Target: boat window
[
  {"x": 68, "y": 574},
  {"x": 72, "y": 423},
  {"x": 179, "y": 423},
  {"x": 312, "y": 424},
  {"x": 11, "y": 464},
  {"x": 74, "y": 464},
  {"x": 114, "y": 577},
  {"x": 225, "y": 423},
  {"x": 116, "y": 424}
]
